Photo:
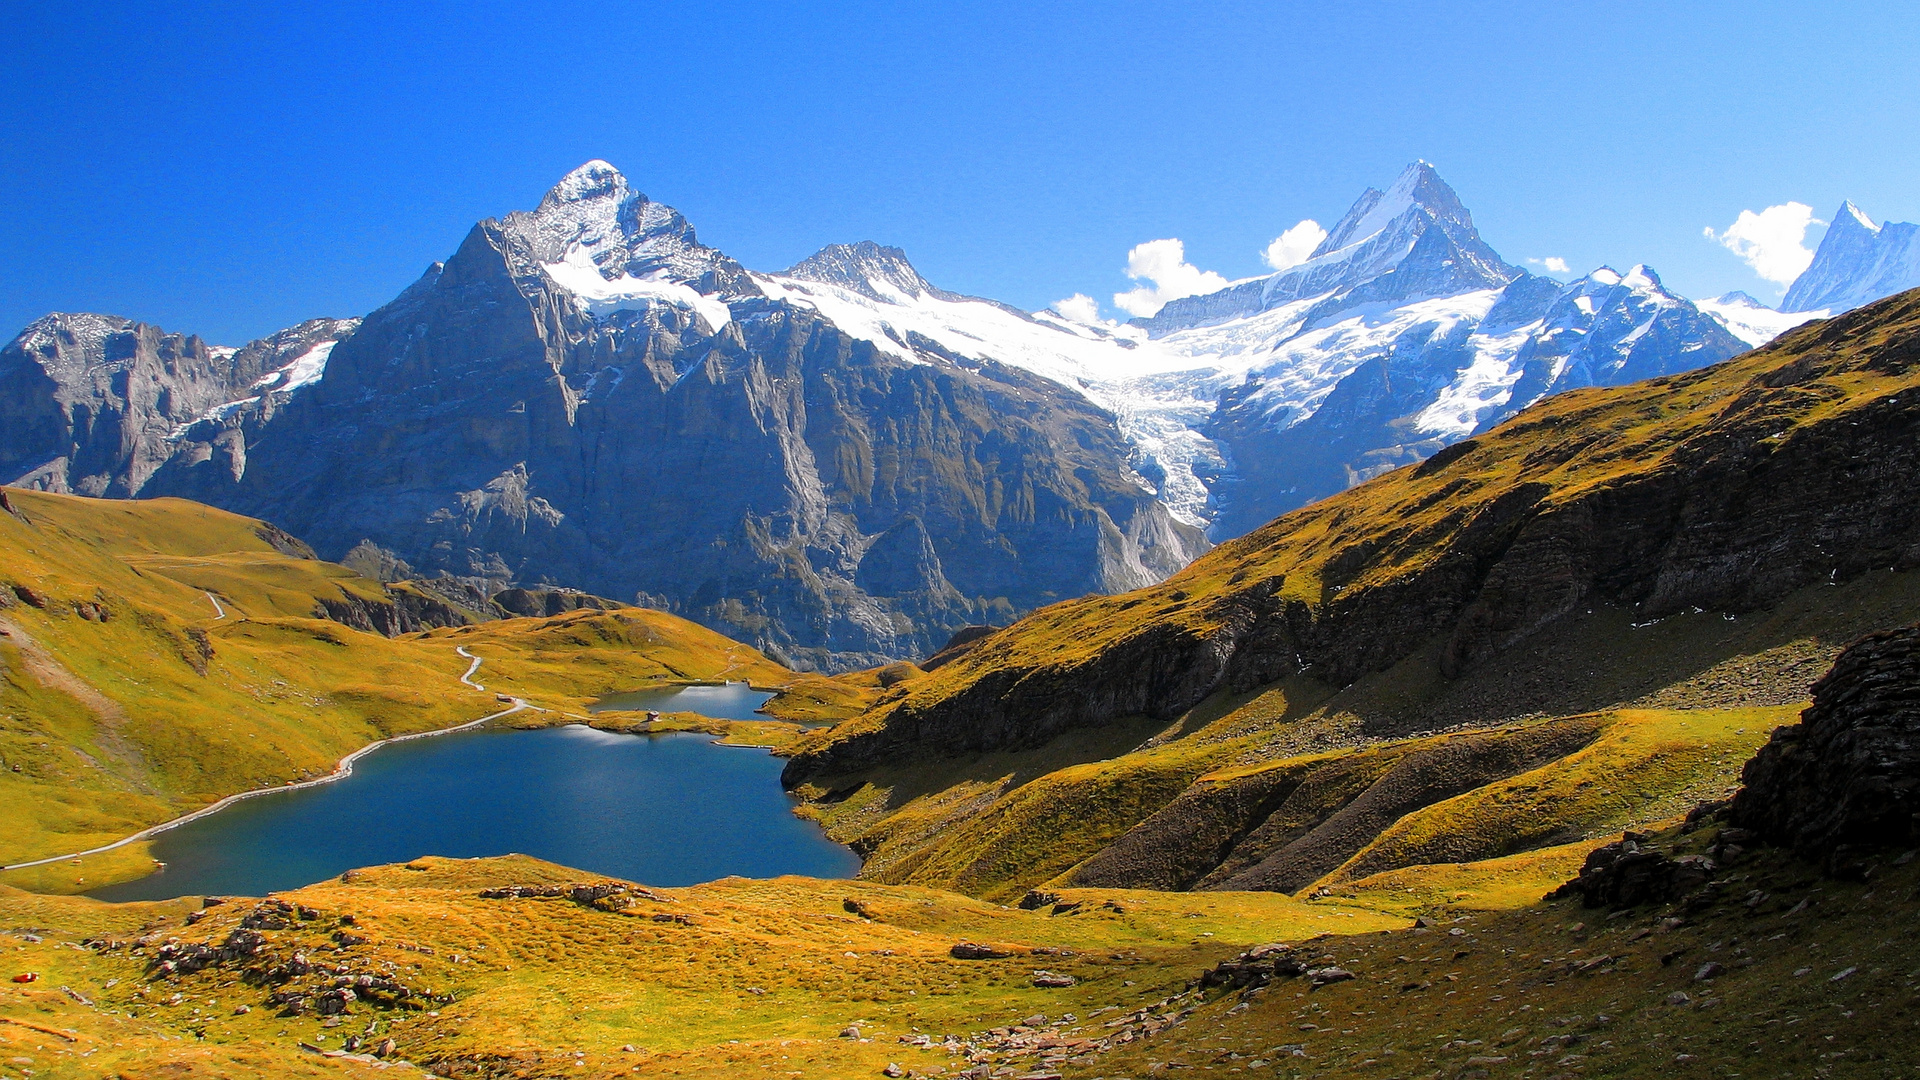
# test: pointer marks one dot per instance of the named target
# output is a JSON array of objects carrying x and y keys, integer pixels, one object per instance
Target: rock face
[
  {"x": 585, "y": 395},
  {"x": 95, "y": 404},
  {"x": 1624, "y": 874},
  {"x": 1848, "y": 774}
]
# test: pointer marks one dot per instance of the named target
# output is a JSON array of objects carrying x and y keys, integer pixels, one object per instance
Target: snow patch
[{"x": 599, "y": 295}]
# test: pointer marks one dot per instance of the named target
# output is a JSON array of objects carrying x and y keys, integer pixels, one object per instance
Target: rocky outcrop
[
  {"x": 1627, "y": 874},
  {"x": 1847, "y": 776},
  {"x": 1790, "y": 466},
  {"x": 546, "y": 603}
]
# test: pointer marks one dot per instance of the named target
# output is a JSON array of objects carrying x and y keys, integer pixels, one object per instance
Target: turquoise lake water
[{"x": 658, "y": 809}]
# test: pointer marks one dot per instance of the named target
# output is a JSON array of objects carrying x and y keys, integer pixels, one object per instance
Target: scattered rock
[
  {"x": 893, "y": 1070},
  {"x": 1709, "y": 970},
  {"x": 1254, "y": 968},
  {"x": 1325, "y": 975},
  {"x": 851, "y": 1031},
  {"x": 1047, "y": 980},
  {"x": 967, "y": 950}
]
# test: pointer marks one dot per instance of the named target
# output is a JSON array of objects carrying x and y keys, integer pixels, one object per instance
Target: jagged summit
[
  {"x": 1857, "y": 263},
  {"x": 1415, "y": 239},
  {"x": 593, "y": 220},
  {"x": 1418, "y": 186},
  {"x": 595, "y": 179},
  {"x": 867, "y": 268}
]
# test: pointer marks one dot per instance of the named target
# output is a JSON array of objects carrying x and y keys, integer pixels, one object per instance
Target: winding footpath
[{"x": 340, "y": 772}]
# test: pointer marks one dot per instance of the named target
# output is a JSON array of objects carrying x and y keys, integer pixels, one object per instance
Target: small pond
[
  {"x": 663, "y": 810},
  {"x": 732, "y": 701}
]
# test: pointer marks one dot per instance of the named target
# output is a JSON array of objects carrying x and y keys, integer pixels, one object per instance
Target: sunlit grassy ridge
[
  {"x": 1048, "y": 751},
  {"x": 126, "y": 698},
  {"x": 1381, "y": 533}
]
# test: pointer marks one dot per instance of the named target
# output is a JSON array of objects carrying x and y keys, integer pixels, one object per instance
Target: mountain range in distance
[{"x": 842, "y": 463}]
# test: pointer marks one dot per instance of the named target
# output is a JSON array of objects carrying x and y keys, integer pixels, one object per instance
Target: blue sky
[{"x": 231, "y": 169}]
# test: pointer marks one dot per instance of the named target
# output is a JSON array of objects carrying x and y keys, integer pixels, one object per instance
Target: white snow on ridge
[
  {"x": 1297, "y": 374},
  {"x": 598, "y": 295},
  {"x": 1750, "y": 321},
  {"x": 1484, "y": 388},
  {"x": 1159, "y": 396},
  {"x": 305, "y": 370},
  {"x": 299, "y": 373}
]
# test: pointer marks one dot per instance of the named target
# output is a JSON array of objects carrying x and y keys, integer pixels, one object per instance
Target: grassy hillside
[
  {"x": 808, "y": 979},
  {"x": 128, "y": 697},
  {"x": 1679, "y": 557}
]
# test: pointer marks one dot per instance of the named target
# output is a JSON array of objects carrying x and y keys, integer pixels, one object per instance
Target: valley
[{"x": 1292, "y": 811}]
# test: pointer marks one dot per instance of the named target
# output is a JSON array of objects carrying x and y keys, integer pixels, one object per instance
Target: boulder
[
  {"x": 1847, "y": 776},
  {"x": 1624, "y": 874}
]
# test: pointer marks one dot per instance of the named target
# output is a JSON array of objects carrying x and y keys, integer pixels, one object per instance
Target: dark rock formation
[
  {"x": 1624, "y": 874},
  {"x": 1848, "y": 774}
]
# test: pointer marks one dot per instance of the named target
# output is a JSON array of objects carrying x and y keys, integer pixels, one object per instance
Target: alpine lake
[{"x": 668, "y": 810}]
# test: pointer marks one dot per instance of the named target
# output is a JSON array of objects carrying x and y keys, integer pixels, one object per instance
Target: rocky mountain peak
[
  {"x": 1857, "y": 263},
  {"x": 870, "y": 269},
  {"x": 1415, "y": 239},
  {"x": 1418, "y": 187},
  {"x": 594, "y": 180},
  {"x": 594, "y": 222}
]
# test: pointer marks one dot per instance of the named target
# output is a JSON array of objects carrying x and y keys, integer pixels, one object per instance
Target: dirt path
[{"x": 340, "y": 771}]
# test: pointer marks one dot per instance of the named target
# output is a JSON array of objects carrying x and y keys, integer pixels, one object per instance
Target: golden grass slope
[
  {"x": 725, "y": 979},
  {"x": 127, "y": 699},
  {"x": 764, "y": 978}
]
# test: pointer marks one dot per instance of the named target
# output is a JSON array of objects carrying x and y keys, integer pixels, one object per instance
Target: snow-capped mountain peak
[
  {"x": 872, "y": 270},
  {"x": 1857, "y": 263},
  {"x": 612, "y": 249},
  {"x": 1417, "y": 187},
  {"x": 1416, "y": 239}
]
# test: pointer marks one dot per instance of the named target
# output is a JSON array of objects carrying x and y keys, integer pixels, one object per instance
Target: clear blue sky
[{"x": 231, "y": 169}]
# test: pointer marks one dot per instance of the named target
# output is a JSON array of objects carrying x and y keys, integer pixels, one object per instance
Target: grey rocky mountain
[
  {"x": 584, "y": 395},
  {"x": 1857, "y": 263},
  {"x": 96, "y": 404}
]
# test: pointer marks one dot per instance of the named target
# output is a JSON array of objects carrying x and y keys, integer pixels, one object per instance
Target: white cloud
[
  {"x": 1554, "y": 264},
  {"x": 1163, "y": 263},
  {"x": 1079, "y": 308},
  {"x": 1771, "y": 241},
  {"x": 1292, "y": 247}
]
